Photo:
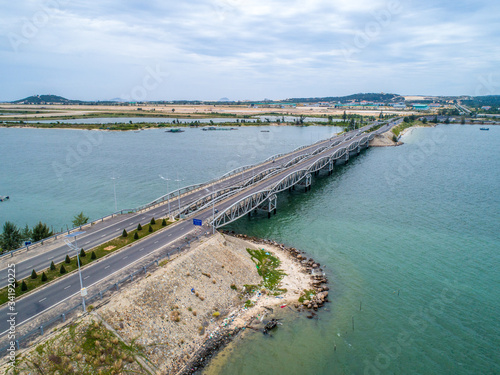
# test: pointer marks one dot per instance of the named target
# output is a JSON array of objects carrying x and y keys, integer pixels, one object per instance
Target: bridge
[{"x": 217, "y": 203}]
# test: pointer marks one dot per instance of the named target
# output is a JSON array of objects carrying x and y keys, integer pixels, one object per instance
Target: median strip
[{"x": 43, "y": 277}]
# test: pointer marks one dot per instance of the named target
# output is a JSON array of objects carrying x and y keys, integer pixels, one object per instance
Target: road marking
[
  {"x": 43, "y": 299},
  {"x": 50, "y": 258},
  {"x": 89, "y": 241},
  {"x": 125, "y": 257},
  {"x": 67, "y": 287},
  {"x": 106, "y": 267},
  {"x": 156, "y": 241},
  {"x": 86, "y": 277},
  {"x": 169, "y": 235},
  {"x": 102, "y": 236},
  {"x": 141, "y": 249},
  {"x": 117, "y": 229}
]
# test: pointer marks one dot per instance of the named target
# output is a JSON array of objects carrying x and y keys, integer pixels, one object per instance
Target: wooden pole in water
[
  {"x": 353, "y": 323},
  {"x": 360, "y": 302}
]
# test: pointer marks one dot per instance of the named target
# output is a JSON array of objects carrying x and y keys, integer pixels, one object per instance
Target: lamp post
[
  {"x": 67, "y": 240},
  {"x": 168, "y": 192},
  {"x": 114, "y": 189},
  {"x": 213, "y": 208},
  {"x": 179, "y": 193}
]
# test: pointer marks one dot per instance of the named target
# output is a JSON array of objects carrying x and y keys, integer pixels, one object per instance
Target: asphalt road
[{"x": 33, "y": 304}]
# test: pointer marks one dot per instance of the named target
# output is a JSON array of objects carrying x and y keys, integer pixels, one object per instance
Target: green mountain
[{"x": 45, "y": 99}]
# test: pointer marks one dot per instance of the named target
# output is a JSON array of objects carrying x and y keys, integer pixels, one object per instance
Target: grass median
[{"x": 54, "y": 271}]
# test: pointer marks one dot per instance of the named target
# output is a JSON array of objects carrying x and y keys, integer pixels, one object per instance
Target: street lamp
[
  {"x": 179, "y": 193},
  {"x": 213, "y": 208},
  {"x": 67, "y": 240},
  {"x": 168, "y": 192},
  {"x": 114, "y": 189}
]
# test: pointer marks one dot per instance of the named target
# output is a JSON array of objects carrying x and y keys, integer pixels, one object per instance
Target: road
[{"x": 37, "y": 302}]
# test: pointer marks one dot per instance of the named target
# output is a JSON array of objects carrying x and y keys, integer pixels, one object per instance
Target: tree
[
  {"x": 80, "y": 219},
  {"x": 424, "y": 120},
  {"x": 93, "y": 256},
  {"x": 11, "y": 237},
  {"x": 52, "y": 266},
  {"x": 150, "y": 229},
  {"x": 136, "y": 236},
  {"x": 26, "y": 233},
  {"x": 24, "y": 287},
  {"x": 164, "y": 223},
  {"x": 447, "y": 121},
  {"x": 139, "y": 226},
  {"x": 344, "y": 116},
  {"x": 462, "y": 120},
  {"x": 67, "y": 260},
  {"x": 406, "y": 119},
  {"x": 41, "y": 231},
  {"x": 62, "y": 270},
  {"x": 82, "y": 253},
  {"x": 33, "y": 275},
  {"x": 153, "y": 222},
  {"x": 44, "y": 277},
  {"x": 124, "y": 233}
]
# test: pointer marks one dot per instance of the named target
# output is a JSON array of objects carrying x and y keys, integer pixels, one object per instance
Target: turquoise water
[
  {"x": 417, "y": 245},
  {"x": 411, "y": 232},
  {"x": 53, "y": 174}
]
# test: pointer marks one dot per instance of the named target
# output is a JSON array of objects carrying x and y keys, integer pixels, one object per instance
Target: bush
[
  {"x": 139, "y": 226},
  {"x": 62, "y": 270},
  {"x": 153, "y": 222},
  {"x": 24, "y": 287},
  {"x": 164, "y": 223},
  {"x": 233, "y": 287},
  {"x": 93, "y": 256},
  {"x": 124, "y": 233},
  {"x": 150, "y": 229},
  {"x": 33, "y": 275},
  {"x": 82, "y": 253},
  {"x": 44, "y": 277},
  {"x": 67, "y": 260},
  {"x": 394, "y": 138},
  {"x": 136, "y": 235},
  {"x": 52, "y": 266}
]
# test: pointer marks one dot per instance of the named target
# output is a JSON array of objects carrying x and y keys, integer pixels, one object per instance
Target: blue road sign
[
  {"x": 26, "y": 243},
  {"x": 197, "y": 222}
]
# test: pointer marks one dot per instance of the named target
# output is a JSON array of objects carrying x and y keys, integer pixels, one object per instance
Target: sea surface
[
  {"x": 409, "y": 236},
  {"x": 53, "y": 174}
]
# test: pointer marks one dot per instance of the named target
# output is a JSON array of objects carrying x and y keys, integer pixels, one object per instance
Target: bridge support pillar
[
  {"x": 330, "y": 167},
  {"x": 307, "y": 182}
]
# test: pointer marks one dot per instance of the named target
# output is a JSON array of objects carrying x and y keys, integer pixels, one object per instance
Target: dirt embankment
[
  {"x": 175, "y": 319},
  {"x": 384, "y": 140}
]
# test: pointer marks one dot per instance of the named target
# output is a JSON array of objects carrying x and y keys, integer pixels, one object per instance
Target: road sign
[
  {"x": 197, "y": 222},
  {"x": 26, "y": 243}
]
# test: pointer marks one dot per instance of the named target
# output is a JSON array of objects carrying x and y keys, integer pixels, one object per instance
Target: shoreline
[{"x": 178, "y": 331}]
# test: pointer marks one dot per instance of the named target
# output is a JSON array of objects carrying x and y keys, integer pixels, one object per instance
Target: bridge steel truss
[{"x": 266, "y": 199}]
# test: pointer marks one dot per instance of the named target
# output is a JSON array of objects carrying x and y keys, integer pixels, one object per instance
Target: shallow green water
[{"x": 410, "y": 232}]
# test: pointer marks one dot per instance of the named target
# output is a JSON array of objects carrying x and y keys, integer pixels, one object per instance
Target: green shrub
[
  {"x": 62, "y": 270},
  {"x": 33, "y": 275},
  {"x": 67, "y": 260},
  {"x": 44, "y": 277},
  {"x": 164, "y": 223},
  {"x": 136, "y": 235},
  {"x": 52, "y": 266},
  {"x": 93, "y": 256},
  {"x": 124, "y": 233},
  {"x": 150, "y": 229},
  {"x": 24, "y": 287},
  {"x": 153, "y": 222},
  {"x": 139, "y": 226},
  {"x": 82, "y": 253}
]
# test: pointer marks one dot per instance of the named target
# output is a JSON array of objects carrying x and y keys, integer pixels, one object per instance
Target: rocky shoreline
[{"x": 220, "y": 339}]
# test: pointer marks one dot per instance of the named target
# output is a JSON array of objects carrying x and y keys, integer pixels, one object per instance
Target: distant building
[
  {"x": 486, "y": 107},
  {"x": 420, "y": 107}
]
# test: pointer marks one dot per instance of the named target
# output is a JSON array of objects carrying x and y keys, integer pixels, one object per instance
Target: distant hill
[
  {"x": 45, "y": 99},
  {"x": 370, "y": 97}
]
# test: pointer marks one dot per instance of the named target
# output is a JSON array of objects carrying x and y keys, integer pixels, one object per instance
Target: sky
[{"x": 247, "y": 49}]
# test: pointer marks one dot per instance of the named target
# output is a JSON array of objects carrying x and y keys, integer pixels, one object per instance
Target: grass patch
[
  {"x": 405, "y": 125},
  {"x": 100, "y": 251},
  {"x": 306, "y": 295},
  {"x": 267, "y": 267},
  {"x": 85, "y": 348}
]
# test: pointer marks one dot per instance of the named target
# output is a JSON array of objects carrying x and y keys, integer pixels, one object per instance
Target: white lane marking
[
  {"x": 89, "y": 241},
  {"x": 125, "y": 257},
  {"x": 103, "y": 236},
  {"x": 50, "y": 258},
  {"x": 156, "y": 242},
  {"x": 117, "y": 229},
  {"x": 67, "y": 287},
  {"x": 106, "y": 267},
  {"x": 141, "y": 249},
  {"x": 43, "y": 299},
  {"x": 86, "y": 277},
  {"x": 169, "y": 235}
]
